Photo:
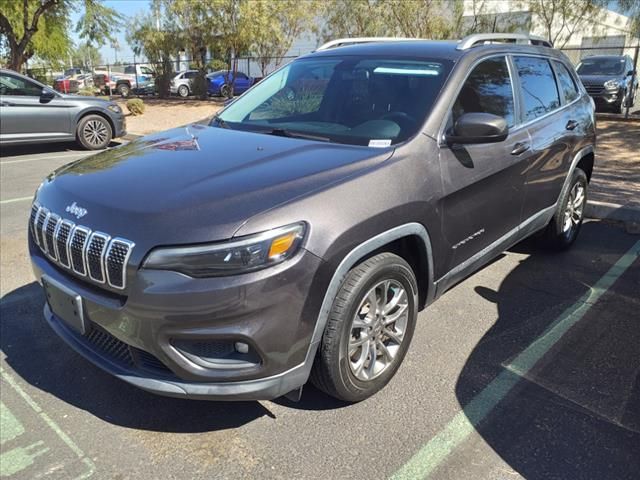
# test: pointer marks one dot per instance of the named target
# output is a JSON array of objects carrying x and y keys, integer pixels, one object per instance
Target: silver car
[
  {"x": 182, "y": 83},
  {"x": 34, "y": 113}
]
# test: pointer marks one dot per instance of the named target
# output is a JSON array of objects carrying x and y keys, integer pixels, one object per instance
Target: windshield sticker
[{"x": 379, "y": 143}]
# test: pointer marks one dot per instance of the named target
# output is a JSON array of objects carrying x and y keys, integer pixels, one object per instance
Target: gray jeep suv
[{"x": 300, "y": 233}]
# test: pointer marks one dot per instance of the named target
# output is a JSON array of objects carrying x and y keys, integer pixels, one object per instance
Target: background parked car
[
  {"x": 34, "y": 113},
  {"x": 608, "y": 79},
  {"x": 123, "y": 78},
  {"x": 219, "y": 83},
  {"x": 182, "y": 83}
]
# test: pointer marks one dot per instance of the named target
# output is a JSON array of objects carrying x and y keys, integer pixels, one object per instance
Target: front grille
[
  {"x": 594, "y": 89},
  {"x": 94, "y": 255}
]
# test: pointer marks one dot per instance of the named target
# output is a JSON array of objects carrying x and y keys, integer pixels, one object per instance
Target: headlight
[
  {"x": 612, "y": 84},
  {"x": 237, "y": 256},
  {"x": 114, "y": 108}
]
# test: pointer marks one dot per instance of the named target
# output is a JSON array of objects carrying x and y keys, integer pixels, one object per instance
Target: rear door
[
  {"x": 26, "y": 115},
  {"x": 483, "y": 183},
  {"x": 555, "y": 124}
]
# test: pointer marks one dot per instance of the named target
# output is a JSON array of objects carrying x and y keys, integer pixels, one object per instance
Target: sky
[{"x": 128, "y": 9}]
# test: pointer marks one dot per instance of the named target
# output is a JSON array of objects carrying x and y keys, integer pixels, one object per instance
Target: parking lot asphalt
[{"x": 528, "y": 369}]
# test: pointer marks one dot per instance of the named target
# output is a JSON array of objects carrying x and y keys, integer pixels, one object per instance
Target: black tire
[
  {"x": 556, "y": 236},
  {"x": 225, "y": 91},
  {"x": 183, "y": 91},
  {"x": 123, "y": 90},
  {"x": 332, "y": 371},
  {"x": 94, "y": 132}
]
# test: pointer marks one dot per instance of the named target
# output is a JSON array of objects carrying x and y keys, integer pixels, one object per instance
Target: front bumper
[
  {"x": 135, "y": 337},
  {"x": 119, "y": 125}
]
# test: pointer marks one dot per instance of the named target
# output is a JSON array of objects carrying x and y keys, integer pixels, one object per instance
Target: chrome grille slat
[
  {"x": 116, "y": 259},
  {"x": 51, "y": 226},
  {"x": 77, "y": 247},
  {"x": 93, "y": 255},
  {"x": 62, "y": 241}
]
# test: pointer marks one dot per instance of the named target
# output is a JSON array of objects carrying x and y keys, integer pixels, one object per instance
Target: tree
[
  {"x": 86, "y": 55},
  {"x": 631, "y": 8},
  {"x": 355, "y": 18},
  {"x": 432, "y": 19},
  {"x": 561, "y": 19},
  {"x": 39, "y": 27},
  {"x": 277, "y": 23}
]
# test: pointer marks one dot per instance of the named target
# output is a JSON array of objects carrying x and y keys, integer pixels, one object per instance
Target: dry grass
[{"x": 162, "y": 114}]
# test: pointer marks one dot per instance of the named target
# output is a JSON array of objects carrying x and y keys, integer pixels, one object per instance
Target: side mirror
[
  {"x": 631, "y": 73},
  {"x": 47, "y": 95},
  {"x": 478, "y": 128}
]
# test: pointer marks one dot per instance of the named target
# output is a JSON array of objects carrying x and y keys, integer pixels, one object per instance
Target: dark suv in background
[
  {"x": 299, "y": 235},
  {"x": 610, "y": 79}
]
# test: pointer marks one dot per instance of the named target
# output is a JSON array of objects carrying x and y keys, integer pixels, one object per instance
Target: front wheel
[
  {"x": 369, "y": 329},
  {"x": 94, "y": 132},
  {"x": 123, "y": 89},
  {"x": 563, "y": 229},
  {"x": 225, "y": 91}
]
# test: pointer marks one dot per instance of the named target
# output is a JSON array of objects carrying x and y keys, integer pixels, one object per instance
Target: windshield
[
  {"x": 355, "y": 100},
  {"x": 601, "y": 66}
]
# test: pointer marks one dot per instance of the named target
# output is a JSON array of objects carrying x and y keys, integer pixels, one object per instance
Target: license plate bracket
[{"x": 65, "y": 304}]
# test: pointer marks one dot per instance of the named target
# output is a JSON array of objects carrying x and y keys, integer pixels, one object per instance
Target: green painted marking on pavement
[
  {"x": 20, "y": 458},
  {"x": 15, "y": 200},
  {"x": 434, "y": 452},
  {"x": 58, "y": 431},
  {"x": 10, "y": 426}
]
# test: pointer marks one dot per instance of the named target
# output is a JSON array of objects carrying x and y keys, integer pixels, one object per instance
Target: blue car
[{"x": 218, "y": 84}]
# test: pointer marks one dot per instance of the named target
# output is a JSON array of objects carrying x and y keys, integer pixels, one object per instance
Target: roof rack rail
[
  {"x": 343, "y": 42},
  {"x": 485, "y": 38}
]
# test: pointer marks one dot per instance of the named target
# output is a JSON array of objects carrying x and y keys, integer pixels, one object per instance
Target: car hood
[
  {"x": 197, "y": 184},
  {"x": 598, "y": 79}
]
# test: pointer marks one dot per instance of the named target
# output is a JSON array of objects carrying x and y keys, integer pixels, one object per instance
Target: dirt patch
[
  {"x": 163, "y": 114},
  {"x": 616, "y": 175}
]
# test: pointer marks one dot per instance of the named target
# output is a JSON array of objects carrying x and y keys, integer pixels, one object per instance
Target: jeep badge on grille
[{"x": 74, "y": 209}]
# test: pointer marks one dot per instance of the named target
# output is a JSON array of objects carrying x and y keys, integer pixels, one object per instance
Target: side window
[
  {"x": 241, "y": 75},
  {"x": 539, "y": 89},
  {"x": 190, "y": 75},
  {"x": 566, "y": 85},
  {"x": 130, "y": 70},
  {"x": 487, "y": 90},
  {"x": 18, "y": 87}
]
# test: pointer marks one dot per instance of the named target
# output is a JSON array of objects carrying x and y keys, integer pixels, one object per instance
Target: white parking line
[
  {"x": 52, "y": 157},
  {"x": 15, "y": 200}
]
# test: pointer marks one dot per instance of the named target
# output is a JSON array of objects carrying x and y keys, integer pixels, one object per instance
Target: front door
[
  {"x": 27, "y": 115},
  {"x": 483, "y": 183}
]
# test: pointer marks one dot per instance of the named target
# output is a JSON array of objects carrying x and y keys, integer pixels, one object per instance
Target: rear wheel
[
  {"x": 123, "y": 89},
  {"x": 369, "y": 329},
  {"x": 565, "y": 225},
  {"x": 94, "y": 132}
]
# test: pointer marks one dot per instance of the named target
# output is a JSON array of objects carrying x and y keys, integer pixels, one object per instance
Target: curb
[{"x": 630, "y": 216}]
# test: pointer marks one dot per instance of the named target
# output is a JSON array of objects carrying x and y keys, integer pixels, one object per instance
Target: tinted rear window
[
  {"x": 566, "y": 85},
  {"x": 538, "y": 84}
]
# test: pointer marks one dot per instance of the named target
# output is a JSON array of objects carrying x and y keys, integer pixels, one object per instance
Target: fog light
[{"x": 241, "y": 347}]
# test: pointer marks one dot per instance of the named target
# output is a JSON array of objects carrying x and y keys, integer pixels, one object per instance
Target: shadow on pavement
[
  {"x": 39, "y": 357},
  {"x": 54, "y": 147},
  {"x": 576, "y": 413}
]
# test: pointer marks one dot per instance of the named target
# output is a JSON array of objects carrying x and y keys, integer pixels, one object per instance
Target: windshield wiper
[
  {"x": 221, "y": 123},
  {"x": 283, "y": 132}
]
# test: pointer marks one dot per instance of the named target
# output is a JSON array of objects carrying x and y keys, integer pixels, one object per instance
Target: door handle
[
  {"x": 520, "y": 148},
  {"x": 571, "y": 124}
]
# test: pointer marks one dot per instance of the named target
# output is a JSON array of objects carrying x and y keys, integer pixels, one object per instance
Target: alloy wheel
[
  {"x": 575, "y": 209},
  {"x": 378, "y": 329},
  {"x": 95, "y": 133}
]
